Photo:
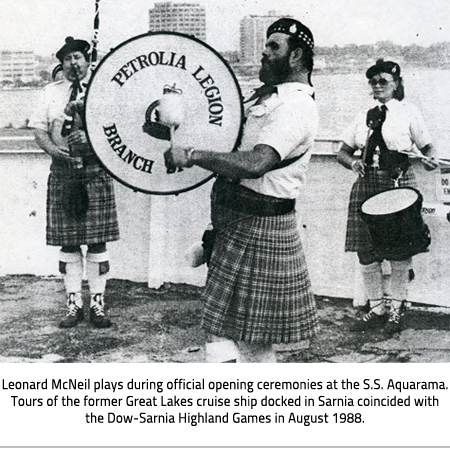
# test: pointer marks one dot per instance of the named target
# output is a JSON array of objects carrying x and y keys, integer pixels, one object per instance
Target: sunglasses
[{"x": 381, "y": 82}]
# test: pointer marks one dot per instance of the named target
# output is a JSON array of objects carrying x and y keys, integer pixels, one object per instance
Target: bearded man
[
  {"x": 258, "y": 291},
  {"x": 81, "y": 207}
]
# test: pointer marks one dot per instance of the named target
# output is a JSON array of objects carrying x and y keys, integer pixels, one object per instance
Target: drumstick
[
  {"x": 422, "y": 156},
  {"x": 172, "y": 132}
]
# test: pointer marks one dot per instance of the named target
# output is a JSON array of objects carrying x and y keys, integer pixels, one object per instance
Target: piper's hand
[
  {"x": 77, "y": 138},
  {"x": 358, "y": 167},
  {"x": 64, "y": 154},
  {"x": 74, "y": 106},
  {"x": 429, "y": 163}
]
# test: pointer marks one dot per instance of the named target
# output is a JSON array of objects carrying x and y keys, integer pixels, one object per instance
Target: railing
[
  {"x": 332, "y": 142},
  {"x": 19, "y": 144}
]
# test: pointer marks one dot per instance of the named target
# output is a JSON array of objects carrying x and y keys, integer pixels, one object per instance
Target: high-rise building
[
  {"x": 20, "y": 64},
  {"x": 253, "y": 36},
  {"x": 187, "y": 18}
]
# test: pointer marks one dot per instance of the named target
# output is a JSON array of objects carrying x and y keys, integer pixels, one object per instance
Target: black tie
[
  {"x": 262, "y": 91},
  {"x": 375, "y": 120},
  {"x": 68, "y": 123}
]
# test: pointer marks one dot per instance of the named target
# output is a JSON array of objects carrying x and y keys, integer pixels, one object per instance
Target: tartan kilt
[
  {"x": 358, "y": 237},
  {"x": 258, "y": 288},
  {"x": 100, "y": 223}
]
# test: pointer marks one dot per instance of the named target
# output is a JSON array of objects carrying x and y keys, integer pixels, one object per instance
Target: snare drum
[{"x": 395, "y": 223}]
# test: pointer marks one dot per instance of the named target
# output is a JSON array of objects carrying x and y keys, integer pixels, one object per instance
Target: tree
[{"x": 45, "y": 75}]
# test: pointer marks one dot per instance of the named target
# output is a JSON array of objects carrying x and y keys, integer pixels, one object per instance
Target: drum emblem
[{"x": 153, "y": 125}]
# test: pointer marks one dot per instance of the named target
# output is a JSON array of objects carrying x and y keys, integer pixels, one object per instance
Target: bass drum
[
  {"x": 394, "y": 220},
  {"x": 156, "y": 90}
]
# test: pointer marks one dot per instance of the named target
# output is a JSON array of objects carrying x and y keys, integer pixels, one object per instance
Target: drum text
[
  {"x": 145, "y": 61},
  {"x": 128, "y": 156},
  {"x": 212, "y": 93}
]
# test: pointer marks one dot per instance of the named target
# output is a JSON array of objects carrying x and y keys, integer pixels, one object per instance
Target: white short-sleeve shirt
[
  {"x": 52, "y": 103},
  {"x": 288, "y": 122},
  {"x": 403, "y": 128}
]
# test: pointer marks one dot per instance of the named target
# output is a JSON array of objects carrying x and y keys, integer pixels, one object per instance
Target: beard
[{"x": 274, "y": 72}]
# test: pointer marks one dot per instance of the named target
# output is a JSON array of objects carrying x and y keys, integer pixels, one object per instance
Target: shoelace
[
  {"x": 372, "y": 314},
  {"x": 73, "y": 309},
  {"x": 395, "y": 315},
  {"x": 98, "y": 309},
  {"x": 369, "y": 316}
]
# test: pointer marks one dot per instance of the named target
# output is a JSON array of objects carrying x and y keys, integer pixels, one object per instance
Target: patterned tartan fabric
[
  {"x": 100, "y": 223},
  {"x": 358, "y": 236},
  {"x": 258, "y": 289}
]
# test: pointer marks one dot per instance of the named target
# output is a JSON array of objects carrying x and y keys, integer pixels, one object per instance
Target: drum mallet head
[{"x": 171, "y": 109}]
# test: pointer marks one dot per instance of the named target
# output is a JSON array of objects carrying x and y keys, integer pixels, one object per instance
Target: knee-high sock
[
  {"x": 97, "y": 280},
  {"x": 373, "y": 283},
  {"x": 400, "y": 279},
  {"x": 256, "y": 353},
  {"x": 373, "y": 280},
  {"x": 73, "y": 274},
  {"x": 221, "y": 350}
]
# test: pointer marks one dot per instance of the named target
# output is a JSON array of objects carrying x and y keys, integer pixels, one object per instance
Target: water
[
  {"x": 339, "y": 98},
  {"x": 16, "y": 106}
]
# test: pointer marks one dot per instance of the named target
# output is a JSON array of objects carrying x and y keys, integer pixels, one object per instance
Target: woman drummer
[{"x": 384, "y": 135}]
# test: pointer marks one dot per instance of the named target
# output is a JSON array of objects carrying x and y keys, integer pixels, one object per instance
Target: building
[
  {"x": 15, "y": 65},
  {"x": 253, "y": 36},
  {"x": 187, "y": 18}
]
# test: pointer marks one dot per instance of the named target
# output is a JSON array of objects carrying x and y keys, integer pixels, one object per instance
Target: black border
[{"x": 192, "y": 38}]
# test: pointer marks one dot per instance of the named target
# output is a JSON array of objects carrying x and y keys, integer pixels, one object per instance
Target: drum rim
[
  {"x": 228, "y": 67},
  {"x": 420, "y": 197}
]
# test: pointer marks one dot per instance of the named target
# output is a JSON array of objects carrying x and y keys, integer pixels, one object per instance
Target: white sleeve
[
  {"x": 349, "y": 136},
  {"x": 40, "y": 116},
  {"x": 278, "y": 131},
  {"x": 418, "y": 128}
]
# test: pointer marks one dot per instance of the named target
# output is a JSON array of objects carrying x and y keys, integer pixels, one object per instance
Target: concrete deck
[{"x": 162, "y": 325}]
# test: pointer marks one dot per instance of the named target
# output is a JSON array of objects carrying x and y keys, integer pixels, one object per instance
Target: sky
[{"x": 42, "y": 25}]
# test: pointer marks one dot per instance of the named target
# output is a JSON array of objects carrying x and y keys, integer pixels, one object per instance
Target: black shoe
[
  {"x": 97, "y": 312},
  {"x": 74, "y": 313},
  {"x": 394, "y": 323},
  {"x": 370, "y": 321}
]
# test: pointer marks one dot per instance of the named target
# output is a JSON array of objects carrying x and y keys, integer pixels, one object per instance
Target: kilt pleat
[
  {"x": 100, "y": 224},
  {"x": 358, "y": 237},
  {"x": 258, "y": 288}
]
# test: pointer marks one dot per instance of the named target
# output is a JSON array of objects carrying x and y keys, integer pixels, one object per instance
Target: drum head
[
  {"x": 390, "y": 201},
  {"x": 155, "y": 89}
]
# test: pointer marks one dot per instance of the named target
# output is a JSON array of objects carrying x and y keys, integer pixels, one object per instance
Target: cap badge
[{"x": 293, "y": 29}]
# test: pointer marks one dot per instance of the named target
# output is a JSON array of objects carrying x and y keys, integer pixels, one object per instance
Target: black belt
[
  {"x": 242, "y": 199},
  {"x": 64, "y": 164}
]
